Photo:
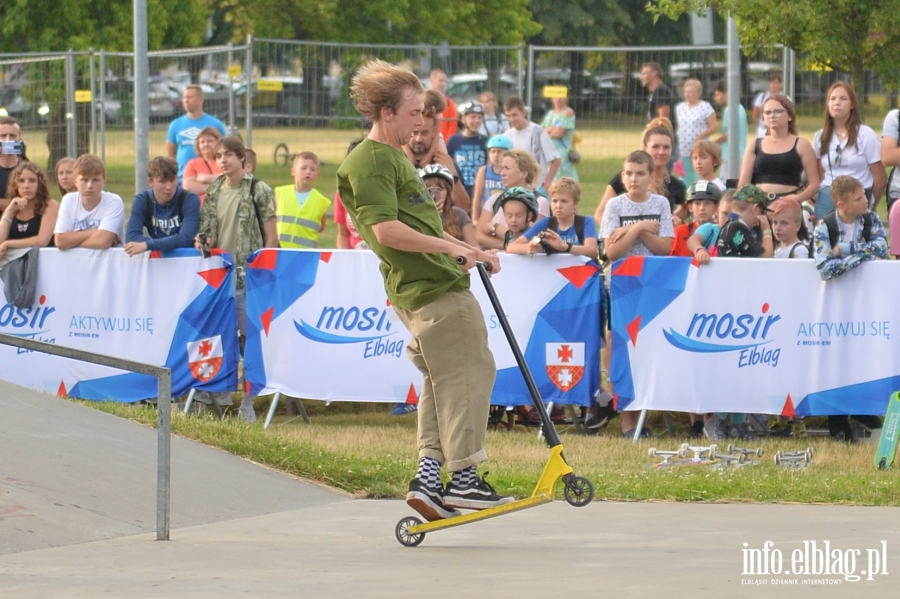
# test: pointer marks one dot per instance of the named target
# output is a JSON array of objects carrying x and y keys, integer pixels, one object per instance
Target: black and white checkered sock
[
  {"x": 430, "y": 473},
  {"x": 465, "y": 477}
]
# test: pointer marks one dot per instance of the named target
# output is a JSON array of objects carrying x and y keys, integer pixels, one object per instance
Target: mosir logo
[
  {"x": 354, "y": 324},
  {"x": 27, "y": 322},
  {"x": 743, "y": 333}
]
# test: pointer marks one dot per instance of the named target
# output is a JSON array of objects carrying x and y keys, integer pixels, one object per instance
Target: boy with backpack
[
  {"x": 787, "y": 225},
  {"x": 164, "y": 217},
  {"x": 845, "y": 238},
  {"x": 564, "y": 232},
  {"x": 851, "y": 233}
]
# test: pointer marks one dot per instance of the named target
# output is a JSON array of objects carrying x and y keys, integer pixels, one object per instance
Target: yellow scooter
[{"x": 578, "y": 491}]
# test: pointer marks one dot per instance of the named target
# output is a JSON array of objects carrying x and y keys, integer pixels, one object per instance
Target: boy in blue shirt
[
  {"x": 169, "y": 213},
  {"x": 565, "y": 231},
  {"x": 468, "y": 148}
]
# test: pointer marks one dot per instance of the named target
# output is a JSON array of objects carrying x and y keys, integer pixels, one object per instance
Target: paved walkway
[{"x": 77, "y": 513}]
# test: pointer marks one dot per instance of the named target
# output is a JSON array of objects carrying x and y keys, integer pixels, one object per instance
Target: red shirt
[
  {"x": 682, "y": 234},
  {"x": 341, "y": 216},
  {"x": 450, "y": 117}
]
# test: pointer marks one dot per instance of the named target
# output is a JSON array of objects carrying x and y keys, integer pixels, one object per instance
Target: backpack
[
  {"x": 553, "y": 223},
  {"x": 809, "y": 254},
  {"x": 262, "y": 231},
  {"x": 148, "y": 217},
  {"x": 834, "y": 234}
]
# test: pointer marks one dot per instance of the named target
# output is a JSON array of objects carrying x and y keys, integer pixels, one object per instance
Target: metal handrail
[{"x": 164, "y": 412}]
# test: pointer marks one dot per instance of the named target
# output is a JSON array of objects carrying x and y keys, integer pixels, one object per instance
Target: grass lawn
[{"x": 361, "y": 449}]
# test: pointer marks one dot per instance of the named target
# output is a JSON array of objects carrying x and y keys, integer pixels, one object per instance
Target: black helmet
[
  {"x": 704, "y": 190},
  {"x": 473, "y": 107},
  {"x": 522, "y": 195}
]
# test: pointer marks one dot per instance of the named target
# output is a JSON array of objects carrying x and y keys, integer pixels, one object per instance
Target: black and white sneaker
[
  {"x": 479, "y": 496},
  {"x": 428, "y": 502}
]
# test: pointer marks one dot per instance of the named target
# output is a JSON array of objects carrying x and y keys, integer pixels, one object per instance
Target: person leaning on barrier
[
  {"x": 845, "y": 238},
  {"x": 29, "y": 219},
  {"x": 90, "y": 217},
  {"x": 237, "y": 217},
  {"x": 169, "y": 213}
]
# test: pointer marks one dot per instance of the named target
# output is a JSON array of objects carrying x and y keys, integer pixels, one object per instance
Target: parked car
[
  {"x": 467, "y": 87},
  {"x": 596, "y": 94},
  {"x": 293, "y": 102}
]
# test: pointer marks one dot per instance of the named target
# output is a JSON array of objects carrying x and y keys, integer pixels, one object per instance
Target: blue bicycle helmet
[{"x": 500, "y": 141}]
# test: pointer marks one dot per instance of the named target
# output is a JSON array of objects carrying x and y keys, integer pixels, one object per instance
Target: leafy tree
[{"x": 844, "y": 35}]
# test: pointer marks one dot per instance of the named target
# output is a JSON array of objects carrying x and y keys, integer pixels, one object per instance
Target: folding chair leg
[
  {"x": 190, "y": 400},
  {"x": 302, "y": 409},
  {"x": 640, "y": 426}
]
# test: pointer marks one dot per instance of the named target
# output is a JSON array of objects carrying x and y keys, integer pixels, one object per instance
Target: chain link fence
[{"x": 270, "y": 91}]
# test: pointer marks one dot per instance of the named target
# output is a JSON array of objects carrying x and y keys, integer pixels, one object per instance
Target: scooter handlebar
[{"x": 487, "y": 265}]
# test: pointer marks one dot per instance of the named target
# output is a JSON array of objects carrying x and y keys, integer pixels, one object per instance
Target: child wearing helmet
[
  {"x": 439, "y": 183},
  {"x": 702, "y": 202},
  {"x": 520, "y": 209},
  {"x": 488, "y": 180},
  {"x": 468, "y": 147}
]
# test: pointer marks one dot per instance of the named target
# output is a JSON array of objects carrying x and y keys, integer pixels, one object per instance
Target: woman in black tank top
[
  {"x": 776, "y": 162},
  {"x": 30, "y": 218}
]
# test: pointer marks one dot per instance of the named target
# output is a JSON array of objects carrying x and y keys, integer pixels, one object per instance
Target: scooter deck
[
  {"x": 890, "y": 434},
  {"x": 555, "y": 468}
]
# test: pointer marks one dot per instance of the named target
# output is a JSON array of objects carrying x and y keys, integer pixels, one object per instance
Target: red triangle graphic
[
  {"x": 411, "y": 396},
  {"x": 325, "y": 257},
  {"x": 633, "y": 329},
  {"x": 630, "y": 267},
  {"x": 788, "y": 410},
  {"x": 214, "y": 276},
  {"x": 155, "y": 254},
  {"x": 265, "y": 260},
  {"x": 266, "y": 319},
  {"x": 578, "y": 275},
  {"x": 62, "y": 392}
]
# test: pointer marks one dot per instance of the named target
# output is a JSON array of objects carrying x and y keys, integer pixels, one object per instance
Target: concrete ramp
[{"x": 71, "y": 474}]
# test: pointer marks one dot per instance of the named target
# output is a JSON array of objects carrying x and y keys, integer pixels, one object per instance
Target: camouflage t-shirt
[{"x": 249, "y": 218}]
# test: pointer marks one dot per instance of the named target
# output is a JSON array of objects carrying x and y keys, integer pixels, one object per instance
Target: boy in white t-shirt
[
  {"x": 637, "y": 223},
  {"x": 90, "y": 217}
]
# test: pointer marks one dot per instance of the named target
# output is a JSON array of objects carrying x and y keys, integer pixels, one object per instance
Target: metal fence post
[
  {"x": 248, "y": 110},
  {"x": 231, "y": 128},
  {"x": 163, "y": 454},
  {"x": 529, "y": 90},
  {"x": 103, "y": 103},
  {"x": 94, "y": 105},
  {"x": 141, "y": 96},
  {"x": 520, "y": 57},
  {"x": 71, "y": 131}
]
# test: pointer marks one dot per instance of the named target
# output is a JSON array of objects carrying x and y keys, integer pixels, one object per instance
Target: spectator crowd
[{"x": 505, "y": 184}]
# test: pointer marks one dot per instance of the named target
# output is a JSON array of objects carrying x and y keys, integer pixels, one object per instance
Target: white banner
[
  {"x": 754, "y": 335},
  {"x": 177, "y": 311},
  {"x": 319, "y": 326}
]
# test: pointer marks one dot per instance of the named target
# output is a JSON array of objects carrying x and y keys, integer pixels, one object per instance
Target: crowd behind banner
[{"x": 508, "y": 184}]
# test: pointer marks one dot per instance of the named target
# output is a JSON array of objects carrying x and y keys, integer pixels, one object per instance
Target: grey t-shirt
[{"x": 622, "y": 211}]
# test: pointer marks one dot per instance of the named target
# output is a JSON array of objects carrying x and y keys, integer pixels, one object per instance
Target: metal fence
[{"x": 266, "y": 90}]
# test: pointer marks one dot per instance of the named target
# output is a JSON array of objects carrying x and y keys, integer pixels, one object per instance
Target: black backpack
[
  {"x": 553, "y": 223},
  {"x": 834, "y": 233},
  {"x": 148, "y": 217}
]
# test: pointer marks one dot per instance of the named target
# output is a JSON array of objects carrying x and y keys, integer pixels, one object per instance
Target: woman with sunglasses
[
  {"x": 844, "y": 146},
  {"x": 776, "y": 162}
]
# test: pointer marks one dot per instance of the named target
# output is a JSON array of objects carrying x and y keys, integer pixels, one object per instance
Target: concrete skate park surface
[{"x": 77, "y": 515}]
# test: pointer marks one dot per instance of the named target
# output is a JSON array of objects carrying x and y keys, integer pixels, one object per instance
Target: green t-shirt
[{"x": 379, "y": 184}]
